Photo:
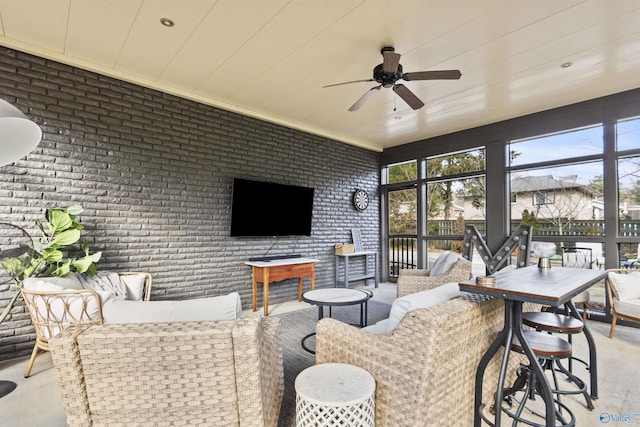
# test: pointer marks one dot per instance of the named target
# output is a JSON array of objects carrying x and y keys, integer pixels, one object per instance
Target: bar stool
[
  {"x": 561, "y": 324},
  {"x": 547, "y": 348}
]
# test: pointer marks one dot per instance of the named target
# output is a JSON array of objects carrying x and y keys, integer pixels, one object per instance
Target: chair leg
[
  {"x": 34, "y": 353},
  {"x": 613, "y": 325}
]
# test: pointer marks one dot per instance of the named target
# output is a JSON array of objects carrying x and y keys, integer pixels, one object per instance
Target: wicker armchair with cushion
[
  {"x": 222, "y": 373},
  {"x": 449, "y": 267},
  {"x": 425, "y": 368},
  {"x": 55, "y": 303},
  {"x": 623, "y": 290}
]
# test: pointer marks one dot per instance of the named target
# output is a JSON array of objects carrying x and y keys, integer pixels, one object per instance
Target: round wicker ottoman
[{"x": 335, "y": 394}]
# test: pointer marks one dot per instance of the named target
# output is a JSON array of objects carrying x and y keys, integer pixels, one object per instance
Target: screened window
[
  {"x": 628, "y": 134},
  {"x": 559, "y": 146},
  {"x": 402, "y": 172}
]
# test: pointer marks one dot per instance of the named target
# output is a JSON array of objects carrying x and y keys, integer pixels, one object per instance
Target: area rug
[{"x": 297, "y": 324}]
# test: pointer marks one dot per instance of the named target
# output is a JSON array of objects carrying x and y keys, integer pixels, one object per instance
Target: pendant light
[{"x": 18, "y": 135}]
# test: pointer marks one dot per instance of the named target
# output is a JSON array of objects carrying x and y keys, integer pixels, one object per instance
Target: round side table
[{"x": 335, "y": 394}]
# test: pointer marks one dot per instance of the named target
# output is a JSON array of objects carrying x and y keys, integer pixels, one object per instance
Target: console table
[
  {"x": 368, "y": 274},
  {"x": 277, "y": 270}
]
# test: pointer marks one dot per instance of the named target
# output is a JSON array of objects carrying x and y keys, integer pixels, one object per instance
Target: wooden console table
[{"x": 277, "y": 270}]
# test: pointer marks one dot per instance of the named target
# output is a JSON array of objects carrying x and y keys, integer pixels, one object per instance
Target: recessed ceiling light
[
  {"x": 566, "y": 64},
  {"x": 167, "y": 22},
  {"x": 397, "y": 118}
]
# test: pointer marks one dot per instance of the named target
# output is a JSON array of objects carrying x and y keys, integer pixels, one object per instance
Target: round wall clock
[{"x": 360, "y": 200}]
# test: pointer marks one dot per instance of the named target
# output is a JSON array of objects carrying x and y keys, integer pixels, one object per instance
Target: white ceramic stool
[{"x": 335, "y": 394}]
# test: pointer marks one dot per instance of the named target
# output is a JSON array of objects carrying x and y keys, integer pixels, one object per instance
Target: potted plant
[{"x": 49, "y": 255}]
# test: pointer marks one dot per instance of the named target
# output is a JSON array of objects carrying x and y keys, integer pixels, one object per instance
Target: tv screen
[{"x": 268, "y": 209}]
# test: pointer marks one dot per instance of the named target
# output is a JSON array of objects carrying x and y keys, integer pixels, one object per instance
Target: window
[
  {"x": 628, "y": 134},
  {"x": 402, "y": 172},
  {"x": 514, "y": 197},
  {"x": 559, "y": 146},
  {"x": 544, "y": 198}
]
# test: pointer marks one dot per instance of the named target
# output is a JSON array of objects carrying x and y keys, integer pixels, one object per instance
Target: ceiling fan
[{"x": 390, "y": 71}]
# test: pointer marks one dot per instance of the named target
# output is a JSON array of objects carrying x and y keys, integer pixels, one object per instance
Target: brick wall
[{"x": 154, "y": 173}]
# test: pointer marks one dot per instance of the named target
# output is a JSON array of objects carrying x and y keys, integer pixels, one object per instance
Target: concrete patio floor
[{"x": 36, "y": 402}]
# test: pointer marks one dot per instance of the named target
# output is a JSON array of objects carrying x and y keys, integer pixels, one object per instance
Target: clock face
[{"x": 360, "y": 200}]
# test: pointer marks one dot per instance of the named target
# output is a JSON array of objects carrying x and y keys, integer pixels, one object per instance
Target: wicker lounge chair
[
  {"x": 625, "y": 308},
  {"x": 425, "y": 368},
  {"x": 224, "y": 373},
  {"x": 53, "y": 311},
  {"x": 412, "y": 281}
]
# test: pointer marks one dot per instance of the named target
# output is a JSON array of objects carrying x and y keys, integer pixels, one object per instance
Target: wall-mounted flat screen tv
[{"x": 260, "y": 209}]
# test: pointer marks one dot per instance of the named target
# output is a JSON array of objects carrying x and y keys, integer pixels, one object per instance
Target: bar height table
[{"x": 548, "y": 286}]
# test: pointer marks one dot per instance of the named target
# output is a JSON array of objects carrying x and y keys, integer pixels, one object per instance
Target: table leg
[
  {"x": 504, "y": 337},
  {"x": 312, "y": 279},
  {"x": 337, "y": 271},
  {"x": 254, "y": 289},
  {"x": 513, "y": 324},
  {"x": 376, "y": 272},
  {"x": 593, "y": 362},
  {"x": 265, "y": 291},
  {"x": 299, "y": 289},
  {"x": 366, "y": 269},
  {"x": 547, "y": 396},
  {"x": 346, "y": 272}
]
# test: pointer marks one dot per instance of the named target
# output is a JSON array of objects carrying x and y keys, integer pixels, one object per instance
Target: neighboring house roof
[{"x": 527, "y": 184}]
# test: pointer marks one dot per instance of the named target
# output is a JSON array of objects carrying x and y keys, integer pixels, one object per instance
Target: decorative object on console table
[
  {"x": 357, "y": 239},
  {"x": 344, "y": 248},
  {"x": 278, "y": 269}
]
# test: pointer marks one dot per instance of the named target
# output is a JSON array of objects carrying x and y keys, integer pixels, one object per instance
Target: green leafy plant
[{"x": 50, "y": 254}]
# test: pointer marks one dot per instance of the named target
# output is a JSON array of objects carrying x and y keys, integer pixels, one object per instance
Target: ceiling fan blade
[
  {"x": 433, "y": 75},
  {"x": 408, "y": 96},
  {"x": 346, "y": 83},
  {"x": 360, "y": 102},
  {"x": 391, "y": 61}
]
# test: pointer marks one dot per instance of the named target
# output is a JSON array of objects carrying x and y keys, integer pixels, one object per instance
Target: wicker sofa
[
  {"x": 224, "y": 373},
  {"x": 425, "y": 368}
]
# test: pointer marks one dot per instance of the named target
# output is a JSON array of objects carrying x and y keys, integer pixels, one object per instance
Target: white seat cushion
[
  {"x": 225, "y": 307},
  {"x": 444, "y": 263},
  {"x": 424, "y": 299},
  {"x": 626, "y": 286},
  {"x": 629, "y": 307}
]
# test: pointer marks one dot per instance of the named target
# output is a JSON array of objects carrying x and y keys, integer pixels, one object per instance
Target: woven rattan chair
[
  {"x": 224, "y": 373},
  {"x": 425, "y": 368},
  {"x": 53, "y": 311},
  {"x": 412, "y": 281},
  {"x": 625, "y": 310}
]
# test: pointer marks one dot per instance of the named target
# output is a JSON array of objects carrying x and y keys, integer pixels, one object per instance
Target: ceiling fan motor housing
[{"x": 387, "y": 80}]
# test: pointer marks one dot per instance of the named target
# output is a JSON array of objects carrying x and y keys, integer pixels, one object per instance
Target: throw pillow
[
  {"x": 424, "y": 299},
  {"x": 443, "y": 263},
  {"x": 626, "y": 285},
  {"x": 134, "y": 283}
]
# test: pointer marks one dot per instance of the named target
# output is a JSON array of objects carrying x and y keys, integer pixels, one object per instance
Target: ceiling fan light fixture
[{"x": 390, "y": 71}]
